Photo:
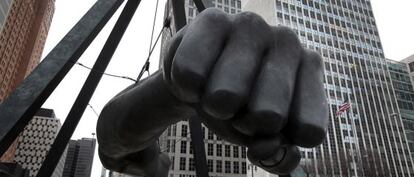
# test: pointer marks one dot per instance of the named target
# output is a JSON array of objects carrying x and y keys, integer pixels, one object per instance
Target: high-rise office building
[
  {"x": 35, "y": 142},
  {"x": 23, "y": 29},
  {"x": 368, "y": 139},
  {"x": 223, "y": 158},
  {"x": 410, "y": 62},
  {"x": 79, "y": 158},
  {"x": 405, "y": 97}
]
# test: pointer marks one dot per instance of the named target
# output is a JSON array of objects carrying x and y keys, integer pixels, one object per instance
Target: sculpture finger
[
  {"x": 274, "y": 155},
  {"x": 268, "y": 107},
  {"x": 233, "y": 75},
  {"x": 308, "y": 120},
  {"x": 169, "y": 55},
  {"x": 197, "y": 53}
]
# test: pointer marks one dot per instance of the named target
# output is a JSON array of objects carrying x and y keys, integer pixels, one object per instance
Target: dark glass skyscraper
[{"x": 79, "y": 158}]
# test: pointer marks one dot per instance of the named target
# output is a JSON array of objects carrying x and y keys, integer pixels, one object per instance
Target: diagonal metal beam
[
  {"x": 88, "y": 88},
  {"x": 200, "y": 5},
  {"x": 18, "y": 109}
]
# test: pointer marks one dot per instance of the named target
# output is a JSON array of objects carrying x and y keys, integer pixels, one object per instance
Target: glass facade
[
  {"x": 369, "y": 139},
  {"x": 405, "y": 97}
]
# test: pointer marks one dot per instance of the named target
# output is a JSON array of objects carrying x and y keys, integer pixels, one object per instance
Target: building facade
[
  {"x": 410, "y": 62},
  {"x": 223, "y": 158},
  {"x": 405, "y": 97},
  {"x": 4, "y": 11},
  {"x": 35, "y": 141},
  {"x": 79, "y": 158},
  {"x": 368, "y": 139},
  {"x": 23, "y": 29}
]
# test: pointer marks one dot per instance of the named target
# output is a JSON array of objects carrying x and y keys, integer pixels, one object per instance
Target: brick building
[{"x": 23, "y": 29}]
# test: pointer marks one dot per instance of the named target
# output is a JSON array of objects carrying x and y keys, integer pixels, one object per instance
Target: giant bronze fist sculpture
[{"x": 251, "y": 83}]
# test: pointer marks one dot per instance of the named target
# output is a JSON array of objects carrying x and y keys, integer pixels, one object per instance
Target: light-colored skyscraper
[
  {"x": 36, "y": 141},
  {"x": 368, "y": 139},
  {"x": 223, "y": 158},
  {"x": 79, "y": 158}
]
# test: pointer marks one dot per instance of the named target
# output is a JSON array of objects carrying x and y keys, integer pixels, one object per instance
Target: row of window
[
  {"x": 234, "y": 167},
  {"x": 229, "y": 150},
  {"x": 350, "y": 17},
  {"x": 328, "y": 35}
]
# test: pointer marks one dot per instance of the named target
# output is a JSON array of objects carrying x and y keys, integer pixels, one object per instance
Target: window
[
  {"x": 243, "y": 152},
  {"x": 226, "y": 2},
  {"x": 227, "y": 168},
  {"x": 218, "y": 150},
  {"x": 172, "y": 146},
  {"x": 191, "y": 164},
  {"x": 227, "y": 150},
  {"x": 235, "y": 151},
  {"x": 210, "y": 149},
  {"x": 174, "y": 131},
  {"x": 210, "y": 135},
  {"x": 168, "y": 145},
  {"x": 236, "y": 167},
  {"x": 182, "y": 163},
  {"x": 172, "y": 162},
  {"x": 183, "y": 147},
  {"x": 411, "y": 65},
  {"x": 210, "y": 165},
  {"x": 219, "y": 166},
  {"x": 190, "y": 12},
  {"x": 244, "y": 171},
  {"x": 184, "y": 130}
]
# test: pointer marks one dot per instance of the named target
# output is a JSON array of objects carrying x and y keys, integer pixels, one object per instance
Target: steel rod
[
  {"x": 19, "y": 108},
  {"x": 84, "y": 96}
]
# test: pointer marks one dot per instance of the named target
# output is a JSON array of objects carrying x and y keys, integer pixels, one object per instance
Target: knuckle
[
  {"x": 253, "y": 25},
  {"x": 214, "y": 16},
  {"x": 251, "y": 20},
  {"x": 286, "y": 37},
  {"x": 249, "y": 16},
  {"x": 313, "y": 58}
]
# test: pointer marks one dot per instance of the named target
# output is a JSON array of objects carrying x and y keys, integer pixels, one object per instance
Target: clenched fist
[{"x": 250, "y": 83}]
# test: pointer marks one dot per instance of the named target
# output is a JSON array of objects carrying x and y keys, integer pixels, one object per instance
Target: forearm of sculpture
[{"x": 132, "y": 121}]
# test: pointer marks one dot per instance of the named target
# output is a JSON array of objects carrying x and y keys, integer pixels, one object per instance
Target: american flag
[{"x": 343, "y": 107}]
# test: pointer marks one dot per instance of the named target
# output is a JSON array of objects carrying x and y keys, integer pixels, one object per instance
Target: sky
[{"x": 393, "y": 18}]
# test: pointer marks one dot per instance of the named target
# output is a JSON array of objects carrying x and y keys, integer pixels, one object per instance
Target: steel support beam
[
  {"x": 19, "y": 108},
  {"x": 81, "y": 102},
  {"x": 200, "y": 5}
]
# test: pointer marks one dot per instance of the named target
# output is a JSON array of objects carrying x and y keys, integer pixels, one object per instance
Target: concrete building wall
[{"x": 35, "y": 142}]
